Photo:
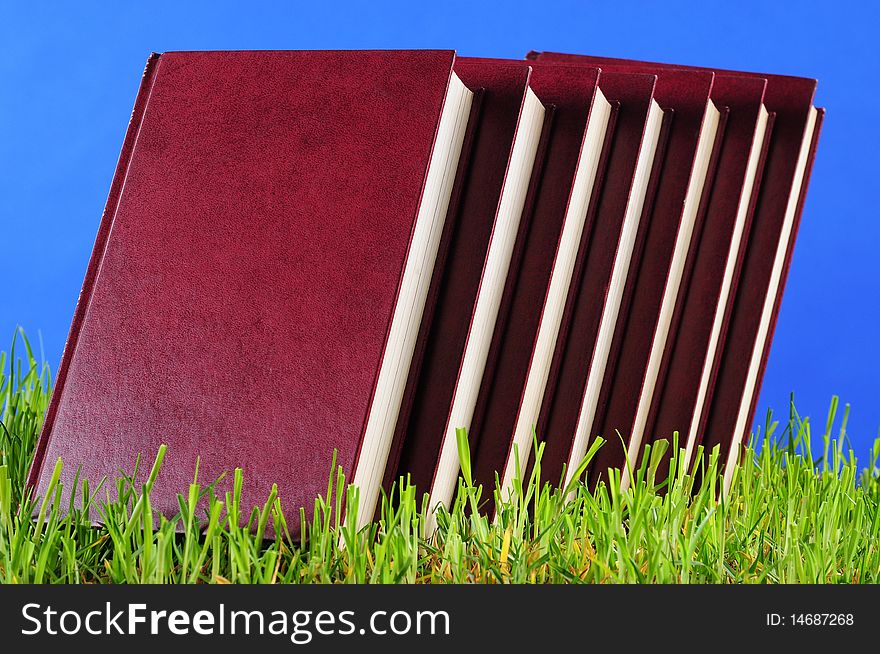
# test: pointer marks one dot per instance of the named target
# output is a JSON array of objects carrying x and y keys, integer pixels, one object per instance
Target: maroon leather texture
[
  {"x": 570, "y": 91},
  {"x": 562, "y": 401},
  {"x": 247, "y": 269},
  {"x": 687, "y": 351},
  {"x": 420, "y": 433},
  {"x": 790, "y": 99}
]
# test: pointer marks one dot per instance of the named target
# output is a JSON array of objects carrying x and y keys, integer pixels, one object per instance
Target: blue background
[{"x": 68, "y": 77}]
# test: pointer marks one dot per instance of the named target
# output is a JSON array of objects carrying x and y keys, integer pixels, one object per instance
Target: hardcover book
[
  {"x": 248, "y": 303},
  {"x": 354, "y": 254}
]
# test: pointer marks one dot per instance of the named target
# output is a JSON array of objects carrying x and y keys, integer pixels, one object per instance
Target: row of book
[{"x": 363, "y": 251}]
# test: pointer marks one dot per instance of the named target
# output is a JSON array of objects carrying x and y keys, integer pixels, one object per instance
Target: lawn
[{"x": 801, "y": 508}]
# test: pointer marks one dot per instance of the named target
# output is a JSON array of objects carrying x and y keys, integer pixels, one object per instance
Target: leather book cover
[
  {"x": 240, "y": 294},
  {"x": 789, "y": 99},
  {"x": 563, "y": 400},
  {"x": 569, "y": 90},
  {"x": 419, "y": 433}
]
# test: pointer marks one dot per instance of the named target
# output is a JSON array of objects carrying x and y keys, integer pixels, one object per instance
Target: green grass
[{"x": 792, "y": 515}]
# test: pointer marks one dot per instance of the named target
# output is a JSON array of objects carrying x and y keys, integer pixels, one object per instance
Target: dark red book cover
[
  {"x": 241, "y": 291},
  {"x": 741, "y": 358},
  {"x": 420, "y": 433},
  {"x": 570, "y": 91}
]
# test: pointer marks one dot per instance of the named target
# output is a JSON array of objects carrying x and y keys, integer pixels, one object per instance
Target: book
[
  {"x": 596, "y": 289},
  {"x": 260, "y": 272},
  {"x": 497, "y": 177},
  {"x": 761, "y": 265}
]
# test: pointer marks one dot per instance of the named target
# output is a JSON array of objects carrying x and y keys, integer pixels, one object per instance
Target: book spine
[{"x": 82, "y": 304}]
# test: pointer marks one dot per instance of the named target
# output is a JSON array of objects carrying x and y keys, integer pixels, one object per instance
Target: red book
[
  {"x": 610, "y": 245},
  {"x": 260, "y": 272},
  {"x": 495, "y": 184},
  {"x": 749, "y": 318}
]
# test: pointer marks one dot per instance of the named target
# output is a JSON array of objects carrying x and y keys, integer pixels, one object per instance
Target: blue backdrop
[{"x": 68, "y": 78}]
